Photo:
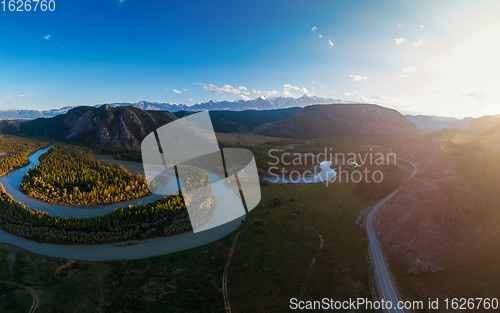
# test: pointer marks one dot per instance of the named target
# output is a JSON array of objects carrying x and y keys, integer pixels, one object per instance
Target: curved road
[
  {"x": 226, "y": 269},
  {"x": 385, "y": 283},
  {"x": 36, "y": 301},
  {"x": 309, "y": 270}
]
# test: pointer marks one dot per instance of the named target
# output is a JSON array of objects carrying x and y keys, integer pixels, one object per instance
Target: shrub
[
  {"x": 259, "y": 222},
  {"x": 275, "y": 202}
]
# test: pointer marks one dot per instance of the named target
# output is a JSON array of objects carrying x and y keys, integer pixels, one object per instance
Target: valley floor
[{"x": 267, "y": 269}]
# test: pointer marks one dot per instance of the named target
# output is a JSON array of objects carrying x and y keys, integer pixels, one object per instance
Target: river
[
  {"x": 103, "y": 252},
  {"x": 325, "y": 173}
]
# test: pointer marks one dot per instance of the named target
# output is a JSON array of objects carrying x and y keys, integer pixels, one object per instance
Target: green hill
[
  {"x": 120, "y": 128},
  {"x": 243, "y": 121},
  {"x": 321, "y": 121}
]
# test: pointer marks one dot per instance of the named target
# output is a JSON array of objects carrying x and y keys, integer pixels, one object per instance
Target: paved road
[{"x": 385, "y": 283}]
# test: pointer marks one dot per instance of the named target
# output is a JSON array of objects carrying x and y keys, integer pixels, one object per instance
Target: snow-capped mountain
[
  {"x": 261, "y": 103},
  {"x": 32, "y": 114}
]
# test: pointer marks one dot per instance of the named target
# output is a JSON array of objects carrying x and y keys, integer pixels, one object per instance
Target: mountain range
[
  {"x": 31, "y": 114},
  {"x": 261, "y": 103},
  {"x": 433, "y": 123},
  {"x": 124, "y": 127},
  {"x": 424, "y": 122}
]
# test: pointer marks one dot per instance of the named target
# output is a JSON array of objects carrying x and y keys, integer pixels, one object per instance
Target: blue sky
[{"x": 419, "y": 56}]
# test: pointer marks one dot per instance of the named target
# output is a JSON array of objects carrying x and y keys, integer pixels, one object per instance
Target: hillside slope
[
  {"x": 452, "y": 201},
  {"x": 431, "y": 122},
  {"x": 121, "y": 128},
  {"x": 319, "y": 121},
  {"x": 243, "y": 121}
]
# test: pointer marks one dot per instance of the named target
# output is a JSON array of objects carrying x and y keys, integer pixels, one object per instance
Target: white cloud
[
  {"x": 265, "y": 93},
  {"x": 401, "y": 76},
  {"x": 321, "y": 86},
  {"x": 399, "y": 40},
  {"x": 0, "y": 103},
  {"x": 320, "y": 36},
  {"x": 190, "y": 99},
  {"x": 418, "y": 43},
  {"x": 287, "y": 88},
  {"x": 177, "y": 91},
  {"x": 229, "y": 90},
  {"x": 225, "y": 90},
  {"x": 7, "y": 93},
  {"x": 348, "y": 93},
  {"x": 121, "y": 1},
  {"x": 313, "y": 82},
  {"x": 358, "y": 78},
  {"x": 313, "y": 29},
  {"x": 409, "y": 69},
  {"x": 378, "y": 99},
  {"x": 399, "y": 25},
  {"x": 330, "y": 42},
  {"x": 22, "y": 96},
  {"x": 47, "y": 37},
  {"x": 362, "y": 99},
  {"x": 381, "y": 97},
  {"x": 474, "y": 94},
  {"x": 421, "y": 26}
]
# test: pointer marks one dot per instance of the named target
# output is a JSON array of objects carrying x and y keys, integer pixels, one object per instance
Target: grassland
[
  {"x": 451, "y": 221},
  {"x": 472, "y": 272},
  {"x": 267, "y": 268},
  {"x": 248, "y": 139}
]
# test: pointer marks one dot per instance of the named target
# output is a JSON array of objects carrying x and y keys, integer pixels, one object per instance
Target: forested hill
[
  {"x": 226, "y": 121},
  {"x": 124, "y": 127},
  {"x": 320, "y": 121},
  {"x": 120, "y": 128}
]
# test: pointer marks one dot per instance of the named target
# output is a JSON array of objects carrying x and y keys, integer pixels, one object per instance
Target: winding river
[{"x": 103, "y": 252}]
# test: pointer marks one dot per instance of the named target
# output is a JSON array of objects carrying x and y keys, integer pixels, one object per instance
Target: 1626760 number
[{"x": 28, "y": 5}]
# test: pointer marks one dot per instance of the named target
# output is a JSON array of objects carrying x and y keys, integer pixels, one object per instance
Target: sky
[{"x": 418, "y": 57}]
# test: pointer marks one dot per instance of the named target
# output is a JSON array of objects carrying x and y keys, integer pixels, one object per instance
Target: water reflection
[
  {"x": 147, "y": 248},
  {"x": 325, "y": 173}
]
